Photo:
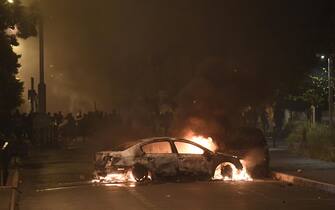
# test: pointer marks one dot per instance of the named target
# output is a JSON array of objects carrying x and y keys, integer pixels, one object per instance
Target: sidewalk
[
  {"x": 300, "y": 170},
  {"x": 285, "y": 162}
]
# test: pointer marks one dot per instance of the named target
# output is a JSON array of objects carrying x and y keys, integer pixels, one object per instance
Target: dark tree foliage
[
  {"x": 314, "y": 90},
  {"x": 15, "y": 21}
]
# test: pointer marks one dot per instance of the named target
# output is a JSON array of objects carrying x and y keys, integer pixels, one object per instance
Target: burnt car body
[{"x": 163, "y": 157}]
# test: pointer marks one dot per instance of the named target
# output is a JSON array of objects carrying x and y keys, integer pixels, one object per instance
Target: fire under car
[{"x": 165, "y": 157}]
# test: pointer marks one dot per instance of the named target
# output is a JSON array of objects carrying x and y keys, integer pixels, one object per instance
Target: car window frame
[
  {"x": 157, "y": 141},
  {"x": 194, "y": 144}
]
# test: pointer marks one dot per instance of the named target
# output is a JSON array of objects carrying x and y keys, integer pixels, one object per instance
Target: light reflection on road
[{"x": 71, "y": 185}]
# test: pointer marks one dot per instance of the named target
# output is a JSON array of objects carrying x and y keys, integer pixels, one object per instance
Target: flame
[
  {"x": 115, "y": 178},
  {"x": 205, "y": 142},
  {"x": 237, "y": 175}
]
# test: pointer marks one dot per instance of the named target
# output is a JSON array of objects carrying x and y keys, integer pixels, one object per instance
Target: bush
[{"x": 317, "y": 141}]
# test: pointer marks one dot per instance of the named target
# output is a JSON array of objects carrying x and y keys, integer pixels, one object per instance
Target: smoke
[
  {"x": 212, "y": 102},
  {"x": 99, "y": 50},
  {"x": 254, "y": 157}
]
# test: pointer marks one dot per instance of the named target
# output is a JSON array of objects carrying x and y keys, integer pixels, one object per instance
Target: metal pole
[
  {"x": 41, "y": 85},
  {"x": 32, "y": 96},
  {"x": 330, "y": 92},
  {"x": 41, "y": 48}
]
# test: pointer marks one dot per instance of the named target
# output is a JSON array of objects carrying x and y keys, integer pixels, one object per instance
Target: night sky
[{"x": 112, "y": 51}]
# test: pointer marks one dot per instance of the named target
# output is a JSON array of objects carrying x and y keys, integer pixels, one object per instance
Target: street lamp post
[
  {"x": 41, "y": 85},
  {"x": 330, "y": 91},
  {"x": 330, "y": 58}
]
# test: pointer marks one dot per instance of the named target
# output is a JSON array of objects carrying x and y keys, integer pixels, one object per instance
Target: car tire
[
  {"x": 140, "y": 172},
  {"x": 226, "y": 171}
]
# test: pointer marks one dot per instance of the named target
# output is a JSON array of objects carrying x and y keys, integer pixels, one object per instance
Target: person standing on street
[{"x": 4, "y": 161}]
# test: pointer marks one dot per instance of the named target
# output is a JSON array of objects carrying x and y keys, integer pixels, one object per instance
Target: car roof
[
  {"x": 141, "y": 141},
  {"x": 163, "y": 138},
  {"x": 156, "y": 138}
]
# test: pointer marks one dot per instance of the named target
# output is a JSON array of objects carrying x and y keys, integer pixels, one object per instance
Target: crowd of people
[
  {"x": 24, "y": 131},
  {"x": 51, "y": 129}
]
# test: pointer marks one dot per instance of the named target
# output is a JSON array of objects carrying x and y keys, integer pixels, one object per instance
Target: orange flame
[
  {"x": 116, "y": 178},
  {"x": 237, "y": 175},
  {"x": 205, "y": 142}
]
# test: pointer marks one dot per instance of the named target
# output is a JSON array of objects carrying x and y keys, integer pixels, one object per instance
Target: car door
[
  {"x": 191, "y": 159},
  {"x": 160, "y": 158}
]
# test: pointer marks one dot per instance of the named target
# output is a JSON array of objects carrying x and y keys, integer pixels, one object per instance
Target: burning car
[{"x": 162, "y": 157}]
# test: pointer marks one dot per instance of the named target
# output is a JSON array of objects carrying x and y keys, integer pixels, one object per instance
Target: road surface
[{"x": 60, "y": 181}]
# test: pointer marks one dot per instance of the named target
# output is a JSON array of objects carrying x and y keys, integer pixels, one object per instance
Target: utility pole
[
  {"x": 331, "y": 91},
  {"x": 41, "y": 85}
]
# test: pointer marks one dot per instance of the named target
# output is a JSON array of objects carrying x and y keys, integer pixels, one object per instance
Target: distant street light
[
  {"x": 331, "y": 90},
  {"x": 10, "y": 1},
  {"x": 330, "y": 86}
]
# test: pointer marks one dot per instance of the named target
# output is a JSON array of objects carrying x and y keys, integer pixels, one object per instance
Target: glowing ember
[
  {"x": 205, "y": 142},
  {"x": 236, "y": 174}
]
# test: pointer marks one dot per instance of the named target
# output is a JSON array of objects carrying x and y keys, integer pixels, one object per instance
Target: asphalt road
[
  {"x": 60, "y": 181},
  {"x": 196, "y": 196}
]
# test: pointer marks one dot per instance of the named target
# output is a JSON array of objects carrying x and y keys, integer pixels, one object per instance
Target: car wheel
[
  {"x": 226, "y": 170},
  {"x": 223, "y": 171},
  {"x": 140, "y": 172}
]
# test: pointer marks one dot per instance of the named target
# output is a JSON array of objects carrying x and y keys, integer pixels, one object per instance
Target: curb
[
  {"x": 15, "y": 192},
  {"x": 13, "y": 183},
  {"x": 304, "y": 182}
]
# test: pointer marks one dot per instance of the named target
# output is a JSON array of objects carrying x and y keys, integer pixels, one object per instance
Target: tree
[
  {"x": 16, "y": 21},
  {"x": 313, "y": 92}
]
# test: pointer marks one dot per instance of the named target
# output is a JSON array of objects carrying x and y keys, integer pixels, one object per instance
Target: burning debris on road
[{"x": 115, "y": 178}]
